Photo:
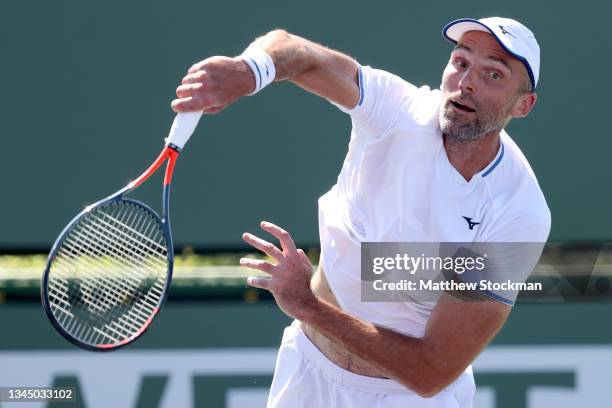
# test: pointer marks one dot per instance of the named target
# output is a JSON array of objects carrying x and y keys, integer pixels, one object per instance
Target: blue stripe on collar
[{"x": 494, "y": 165}]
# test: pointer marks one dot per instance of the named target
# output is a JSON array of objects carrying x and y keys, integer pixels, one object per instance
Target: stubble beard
[{"x": 460, "y": 129}]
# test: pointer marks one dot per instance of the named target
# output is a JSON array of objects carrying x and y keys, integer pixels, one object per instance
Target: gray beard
[{"x": 471, "y": 131}]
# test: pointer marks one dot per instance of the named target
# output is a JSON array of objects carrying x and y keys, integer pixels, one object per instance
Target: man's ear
[{"x": 524, "y": 104}]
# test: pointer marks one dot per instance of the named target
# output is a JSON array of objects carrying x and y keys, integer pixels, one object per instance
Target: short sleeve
[
  {"x": 533, "y": 226},
  {"x": 510, "y": 256},
  {"x": 380, "y": 96}
]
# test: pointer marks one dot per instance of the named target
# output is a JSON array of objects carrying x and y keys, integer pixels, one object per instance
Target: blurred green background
[{"x": 87, "y": 86}]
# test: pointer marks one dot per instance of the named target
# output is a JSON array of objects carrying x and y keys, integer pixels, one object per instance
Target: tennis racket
[{"x": 109, "y": 271}]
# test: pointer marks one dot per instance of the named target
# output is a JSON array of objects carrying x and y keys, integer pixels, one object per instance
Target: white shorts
[{"x": 304, "y": 377}]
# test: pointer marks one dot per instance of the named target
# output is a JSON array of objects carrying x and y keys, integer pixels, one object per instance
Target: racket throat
[{"x": 171, "y": 153}]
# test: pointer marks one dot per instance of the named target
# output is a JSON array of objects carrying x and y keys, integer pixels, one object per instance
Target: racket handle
[{"x": 182, "y": 128}]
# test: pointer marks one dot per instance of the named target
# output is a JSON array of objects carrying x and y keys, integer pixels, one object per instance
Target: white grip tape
[{"x": 182, "y": 128}]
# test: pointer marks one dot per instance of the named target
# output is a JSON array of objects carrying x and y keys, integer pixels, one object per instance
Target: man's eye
[
  {"x": 494, "y": 75},
  {"x": 460, "y": 64}
]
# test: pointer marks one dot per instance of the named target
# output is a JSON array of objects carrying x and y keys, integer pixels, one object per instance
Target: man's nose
[{"x": 467, "y": 81}]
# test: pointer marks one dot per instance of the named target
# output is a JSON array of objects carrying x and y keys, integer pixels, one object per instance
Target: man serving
[{"x": 422, "y": 165}]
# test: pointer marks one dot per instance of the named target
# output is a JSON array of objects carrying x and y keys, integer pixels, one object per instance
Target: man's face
[{"x": 481, "y": 88}]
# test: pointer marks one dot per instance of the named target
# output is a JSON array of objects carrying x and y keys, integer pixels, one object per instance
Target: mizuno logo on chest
[{"x": 471, "y": 223}]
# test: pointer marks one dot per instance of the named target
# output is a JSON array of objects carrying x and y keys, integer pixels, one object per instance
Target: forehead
[{"x": 480, "y": 42}]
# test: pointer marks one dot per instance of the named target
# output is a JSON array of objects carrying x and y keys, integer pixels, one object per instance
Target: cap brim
[{"x": 455, "y": 29}]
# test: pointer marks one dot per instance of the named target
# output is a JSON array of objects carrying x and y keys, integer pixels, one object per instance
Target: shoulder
[
  {"x": 418, "y": 100},
  {"x": 414, "y": 105},
  {"x": 386, "y": 100},
  {"x": 373, "y": 79},
  {"x": 518, "y": 200}
]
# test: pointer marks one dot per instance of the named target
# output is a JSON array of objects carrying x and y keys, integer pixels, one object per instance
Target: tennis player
[{"x": 423, "y": 165}]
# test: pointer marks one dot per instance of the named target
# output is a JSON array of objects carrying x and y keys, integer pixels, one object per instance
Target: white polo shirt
[{"x": 397, "y": 185}]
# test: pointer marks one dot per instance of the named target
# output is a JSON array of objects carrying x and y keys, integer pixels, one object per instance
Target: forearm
[
  {"x": 216, "y": 82},
  {"x": 405, "y": 359},
  {"x": 315, "y": 68},
  {"x": 456, "y": 332},
  {"x": 291, "y": 54}
]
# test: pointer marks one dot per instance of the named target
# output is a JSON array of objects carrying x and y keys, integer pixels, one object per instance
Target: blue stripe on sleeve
[
  {"x": 498, "y": 298},
  {"x": 361, "y": 93}
]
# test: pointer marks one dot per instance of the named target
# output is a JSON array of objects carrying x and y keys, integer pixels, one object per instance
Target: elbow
[
  {"x": 429, "y": 383},
  {"x": 424, "y": 388},
  {"x": 428, "y": 390}
]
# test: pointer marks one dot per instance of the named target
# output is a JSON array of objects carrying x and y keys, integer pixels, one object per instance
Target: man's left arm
[{"x": 456, "y": 333}]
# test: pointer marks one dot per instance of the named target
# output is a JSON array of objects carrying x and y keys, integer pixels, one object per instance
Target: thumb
[{"x": 304, "y": 258}]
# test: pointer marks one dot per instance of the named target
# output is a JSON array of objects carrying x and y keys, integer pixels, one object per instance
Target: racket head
[{"x": 108, "y": 273}]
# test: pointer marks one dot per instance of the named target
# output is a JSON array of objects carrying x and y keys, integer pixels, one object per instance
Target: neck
[{"x": 470, "y": 157}]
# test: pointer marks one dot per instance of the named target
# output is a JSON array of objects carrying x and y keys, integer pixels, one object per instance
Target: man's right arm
[{"x": 215, "y": 83}]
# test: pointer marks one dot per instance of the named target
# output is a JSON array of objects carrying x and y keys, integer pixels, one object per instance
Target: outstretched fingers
[
  {"x": 304, "y": 258},
  {"x": 258, "y": 264},
  {"x": 283, "y": 236},
  {"x": 262, "y": 283},
  {"x": 264, "y": 246}
]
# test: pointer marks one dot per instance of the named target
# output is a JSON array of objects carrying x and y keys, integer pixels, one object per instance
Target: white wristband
[{"x": 262, "y": 66}]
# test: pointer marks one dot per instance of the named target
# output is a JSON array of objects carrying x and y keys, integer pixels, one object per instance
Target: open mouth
[{"x": 462, "y": 107}]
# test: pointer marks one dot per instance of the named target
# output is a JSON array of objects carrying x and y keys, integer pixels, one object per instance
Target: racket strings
[{"x": 109, "y": 274}]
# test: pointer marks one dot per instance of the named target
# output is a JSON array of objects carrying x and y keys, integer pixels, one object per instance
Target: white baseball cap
[{"x": 513, "y": 36}]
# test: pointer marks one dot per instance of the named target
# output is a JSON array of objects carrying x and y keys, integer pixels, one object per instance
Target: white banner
[{"x": 114, "y": 379}]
